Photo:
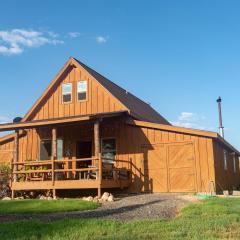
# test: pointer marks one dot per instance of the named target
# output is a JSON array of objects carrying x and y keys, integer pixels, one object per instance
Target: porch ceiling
[{"x": 58, "y": 121}]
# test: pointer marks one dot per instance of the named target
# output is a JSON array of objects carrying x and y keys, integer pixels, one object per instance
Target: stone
[
  {"x": 19, "y": 198},
  {"x": 89, "y": 199},
  {"x": 105, "y": 196},
  {"x": 110, "y": 198},
  {"x": 226, "y": 193},
  {"x": 236, "y": 193},
  {"x": 49, "y": 198},
  {"x": 6, "y": 199},
  {"x": 41, "y": 197}
]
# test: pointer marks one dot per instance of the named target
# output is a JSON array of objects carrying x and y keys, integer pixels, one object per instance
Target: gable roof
[{"x": 136, "y": 107}]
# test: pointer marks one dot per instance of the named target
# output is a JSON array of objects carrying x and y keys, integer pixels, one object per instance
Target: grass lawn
[
  {"x": 44, "y": 206},
  {"x": 212, "y": 219}
]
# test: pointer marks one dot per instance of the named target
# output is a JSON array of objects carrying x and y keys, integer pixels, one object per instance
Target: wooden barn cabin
[{"x": 85, "y": 132}]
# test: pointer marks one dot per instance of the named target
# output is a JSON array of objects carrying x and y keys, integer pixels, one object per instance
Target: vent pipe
[{"x": 221, "y": 128}]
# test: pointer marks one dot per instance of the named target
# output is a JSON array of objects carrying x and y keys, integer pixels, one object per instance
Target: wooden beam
[
  {"x": 39, "y": 123},
  {"x": 172, "y": 128},
  {"x": 54, "y": 143},
  {"x": 15, "y": 155},
  {"x": 100, "y": 176},
  {"x": 54, "y": 156},
  {"x": 98, "y": 154},
  {"x": 96, "y": 138},
  {"x": 14, "y": 166}
]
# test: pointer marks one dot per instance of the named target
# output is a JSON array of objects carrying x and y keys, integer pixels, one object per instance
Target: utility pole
[{"x": 221, "y": 128}]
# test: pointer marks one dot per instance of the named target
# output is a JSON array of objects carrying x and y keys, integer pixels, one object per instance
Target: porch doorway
[{"x": 83, "y": 150}]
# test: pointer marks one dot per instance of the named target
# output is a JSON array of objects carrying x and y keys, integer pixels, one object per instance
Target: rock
[
  {"x": 110, "y": 198},
  {"x": 236, "y": 193},
  {"x": 89, "y": 199},
  {"x": 226, "y": 193},
  {"x": 41, "y": 197},
  {"x": 105, "y": 196},
  {"x": 49, "y": 198},
  {"x": 19, "y": 198},
  {"x": 31, "y": 194},
  {"x": 6, "y": 199}
]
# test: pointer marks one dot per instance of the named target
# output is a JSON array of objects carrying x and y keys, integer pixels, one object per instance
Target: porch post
[
  {"x": 96, "y": 138},
  {"x": 15, "y": 158},
  {"x": 98, "y": 155},
  {"x": 54, "y": 156}
]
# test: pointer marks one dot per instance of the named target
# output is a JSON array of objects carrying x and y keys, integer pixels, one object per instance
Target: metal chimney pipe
[{"x": 221, "y": 128}]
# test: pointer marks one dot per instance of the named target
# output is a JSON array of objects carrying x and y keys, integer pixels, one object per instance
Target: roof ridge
[{"x": 94, "y": 72}]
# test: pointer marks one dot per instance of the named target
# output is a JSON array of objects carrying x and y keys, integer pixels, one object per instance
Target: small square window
[
  {"x": 82, "y": 90},
  {"x": 66, "y": 92}
]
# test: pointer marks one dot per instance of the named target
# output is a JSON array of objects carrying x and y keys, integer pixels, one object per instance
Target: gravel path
[{"x": 128, "y": 207}]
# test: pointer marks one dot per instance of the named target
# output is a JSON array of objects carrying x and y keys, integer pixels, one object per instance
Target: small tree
[{"x": 5, "y": 172}]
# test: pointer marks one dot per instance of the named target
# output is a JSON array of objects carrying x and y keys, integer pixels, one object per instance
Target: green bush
[{"x": 5, "y": 172}]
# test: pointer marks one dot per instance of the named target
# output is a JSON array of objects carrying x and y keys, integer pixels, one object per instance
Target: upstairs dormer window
[
  {"x": 82, "y": 90},
  {"x": 66, "y": 92}
]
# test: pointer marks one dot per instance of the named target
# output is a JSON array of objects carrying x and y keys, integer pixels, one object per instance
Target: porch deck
[{"x": 64, "y": 174}]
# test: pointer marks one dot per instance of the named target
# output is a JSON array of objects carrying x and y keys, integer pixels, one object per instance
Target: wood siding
[
  {"x": 226, "y": 179},
  {"x": 161, "y": 161},
  {"x": 99, "y": 100},
  {"x": 6, "y": 152}
]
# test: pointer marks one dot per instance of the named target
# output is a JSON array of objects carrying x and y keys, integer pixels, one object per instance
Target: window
[
  {"x": 66, "y": 92},
  {"x": 59, "y": 148},
  {"x": 109, "y": 149},
  {"x": 82, "y": 90},
  {"x": 234, "y": 163},
  {"x": 225, "y": 159},
  {"x": 45, "y": 149}
]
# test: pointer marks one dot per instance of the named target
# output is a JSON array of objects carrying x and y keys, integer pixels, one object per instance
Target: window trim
[
  {"x": 86, "y": 91},
  {"x": 65, "y": 94}
]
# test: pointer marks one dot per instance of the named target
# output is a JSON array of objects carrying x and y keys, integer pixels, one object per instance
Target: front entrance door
[{"x": 83, "y": 150}]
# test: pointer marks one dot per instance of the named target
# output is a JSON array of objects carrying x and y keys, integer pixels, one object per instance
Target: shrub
[{"x": 5, "y": 172}]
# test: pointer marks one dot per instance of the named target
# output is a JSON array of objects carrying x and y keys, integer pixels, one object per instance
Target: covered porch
[{"x": 71, "y": 153}]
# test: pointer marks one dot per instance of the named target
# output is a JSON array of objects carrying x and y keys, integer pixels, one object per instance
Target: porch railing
[{"x": 94, "y": 168}]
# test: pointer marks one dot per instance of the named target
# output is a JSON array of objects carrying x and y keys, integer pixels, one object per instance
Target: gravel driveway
[{"x": 125, "y": 208}]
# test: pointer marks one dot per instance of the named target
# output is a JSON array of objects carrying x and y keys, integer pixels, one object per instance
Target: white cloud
[
  {"x": 74, "y": 34},
  {"x": 185, "y": 116},
  {"x": 189, "y": 120},
  {"x": 15, "y": 41},
  {"x": 4, "y": 119},
  {"x": 187, "y": 125},
  {"x": 101, "y": 39}
]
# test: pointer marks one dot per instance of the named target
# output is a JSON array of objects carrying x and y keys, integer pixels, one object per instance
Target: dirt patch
[{"x": 126, "y": 208}]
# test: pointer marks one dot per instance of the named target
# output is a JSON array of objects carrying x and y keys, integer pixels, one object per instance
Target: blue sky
[{"x": 177, "y": 55}]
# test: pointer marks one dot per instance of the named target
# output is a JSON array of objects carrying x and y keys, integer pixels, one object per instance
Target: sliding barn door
[
  {"x": 155, "y": 174},
  {"x": 169, "y": 168},
  {"x": 181, "y": 168}
]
